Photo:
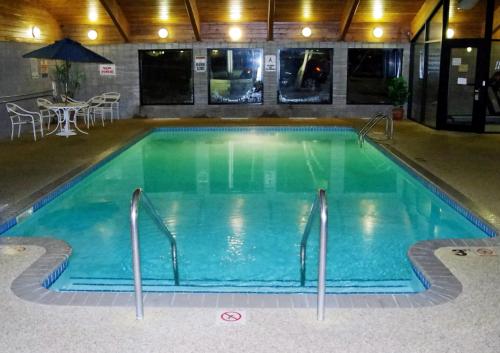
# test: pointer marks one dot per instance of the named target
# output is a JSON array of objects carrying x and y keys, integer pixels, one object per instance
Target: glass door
[
  {"x": 464, "y": 89},
  {"x": 493, "y": 91}
]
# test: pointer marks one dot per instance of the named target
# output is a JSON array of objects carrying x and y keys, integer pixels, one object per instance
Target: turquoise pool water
[{"x": 237, "y": 203}]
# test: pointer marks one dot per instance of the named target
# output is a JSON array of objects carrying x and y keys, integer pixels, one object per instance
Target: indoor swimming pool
[{"x": 237, "y": 201}]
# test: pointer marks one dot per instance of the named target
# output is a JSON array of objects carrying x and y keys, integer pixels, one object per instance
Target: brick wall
[
  {"x": 16, "y": 78},
  {"x": 125, "y": 57}
]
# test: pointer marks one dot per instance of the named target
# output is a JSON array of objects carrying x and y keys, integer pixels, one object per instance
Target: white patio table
[{"x": 66, "y": 108}]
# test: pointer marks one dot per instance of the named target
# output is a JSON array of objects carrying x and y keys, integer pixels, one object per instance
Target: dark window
[
  {"x": 166, "y": 76},
  {"x": 369, "y": 71},
  {"x": 235, "y": 76},
  {"x": 305, "y": 76}
]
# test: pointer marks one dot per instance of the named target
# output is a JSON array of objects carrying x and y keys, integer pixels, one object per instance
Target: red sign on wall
[{"x": 107, "y": 69}]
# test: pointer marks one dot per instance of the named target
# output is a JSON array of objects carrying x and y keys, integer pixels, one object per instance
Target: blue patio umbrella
[{"x": 68, "y": 51}]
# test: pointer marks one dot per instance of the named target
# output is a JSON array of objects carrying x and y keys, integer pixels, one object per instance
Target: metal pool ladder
[
  {"x": 320, "y": 205},
  {"x": 136, "y": 256},
  {"x": 374, "y": 120}
]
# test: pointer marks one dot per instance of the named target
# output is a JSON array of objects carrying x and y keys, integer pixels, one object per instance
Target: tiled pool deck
[{"x": 444, "y": 287}]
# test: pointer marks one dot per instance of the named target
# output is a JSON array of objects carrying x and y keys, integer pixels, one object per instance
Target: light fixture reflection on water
[
  {"x": 236, "y": 240},
  {"x": 237, "y": 225},
  {"x": 369, "y": 219}
]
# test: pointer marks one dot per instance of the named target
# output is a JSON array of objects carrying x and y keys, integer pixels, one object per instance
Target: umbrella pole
[{"x": 67, "y": 78}]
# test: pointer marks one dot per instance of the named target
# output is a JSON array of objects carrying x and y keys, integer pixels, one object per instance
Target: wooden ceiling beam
[
  {"x": 350, "y": 8},
  {"x": 423, "y": 15},
  {"x": 118, "y": 17},
  {"x": 270, "y": 19},
  {"x": 194, "y": 17}
]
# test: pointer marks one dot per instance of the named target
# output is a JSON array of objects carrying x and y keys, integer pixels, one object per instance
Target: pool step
[{"x": 165, "y": 285}]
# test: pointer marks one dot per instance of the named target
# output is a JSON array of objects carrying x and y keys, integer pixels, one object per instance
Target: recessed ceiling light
[
  {"x": 163, "y": 10},
  {"x": 306, "y": 32},
  {"x": 163, "y": 33},
  {"x": 92, "y": 34},
  {"x": 35, "y": 32},
  {"x": 93, "y": 16},
  {"x": 469, "y": 49},
  {"x": 450, "y": 33},
  {"x": 235, "y": 33},
  {"x": 378, "y": 32},
  {"x": 378, "y": 10},
  {"x": 235, "y": 11}
]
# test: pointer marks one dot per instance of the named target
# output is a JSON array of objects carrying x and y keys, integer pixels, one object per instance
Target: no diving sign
[{"x": 231, "y": 317}]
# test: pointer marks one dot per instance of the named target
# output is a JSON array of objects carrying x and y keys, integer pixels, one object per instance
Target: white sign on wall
[
  {"x": 34, "y": 69},
  {"x": 270, "y": 63},
  {"x": 107, "y": 69},
  {"x": 200, "y": 63}
]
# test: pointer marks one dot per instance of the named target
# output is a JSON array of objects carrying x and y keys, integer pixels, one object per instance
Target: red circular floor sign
[{"x": 230, "y": 316}]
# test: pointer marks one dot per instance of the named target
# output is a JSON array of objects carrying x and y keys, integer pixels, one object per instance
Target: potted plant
[
  {"x": 68, "y": 80},
  {"x": 398, "y": 95}
]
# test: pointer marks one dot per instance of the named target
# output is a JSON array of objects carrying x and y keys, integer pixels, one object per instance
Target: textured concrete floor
[
  {"x": 469, "y": 163},
  {"x": 467, "y": 324}
]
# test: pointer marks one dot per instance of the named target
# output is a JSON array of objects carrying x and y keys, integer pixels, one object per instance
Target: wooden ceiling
[{"x": 119, "y": 21}]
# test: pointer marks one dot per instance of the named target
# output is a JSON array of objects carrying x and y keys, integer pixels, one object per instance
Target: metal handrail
[
  {"x": 25, "y": 96},
  {"x": 321, "y": 205},
  {"x": 389, "y": 127},
  {"x": 136, "y": 257}
]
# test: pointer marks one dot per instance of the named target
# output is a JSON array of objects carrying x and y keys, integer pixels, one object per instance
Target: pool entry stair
[
  {"x": 372, "y": 122},
  {"x": 134, "y": 236},
  {"x": 319, "y": 205},
  {"x": 202, "y": 285}
]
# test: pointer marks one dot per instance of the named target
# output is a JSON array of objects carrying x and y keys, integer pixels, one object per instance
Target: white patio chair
[
  {"x": 101, "y": 106},
  {"x": 46, "y": 113},
  {"x": 19, "y": 116},
  {"x": 114, "y": 99}
]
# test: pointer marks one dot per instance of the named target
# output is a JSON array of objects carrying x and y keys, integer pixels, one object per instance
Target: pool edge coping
[{"x": 443, "y": 286}]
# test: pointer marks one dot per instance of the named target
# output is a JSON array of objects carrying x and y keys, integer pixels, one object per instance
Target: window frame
[
  {"x": 278, "y": 76},
  {"x": 347, "y": 77},
  {"x": 209, "y": 68},
  {"x": 140, "y": 77}
]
